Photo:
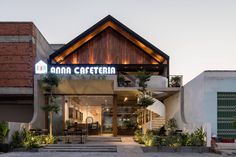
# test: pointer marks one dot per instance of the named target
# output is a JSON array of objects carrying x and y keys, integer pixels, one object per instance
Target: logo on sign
[{"x": 41, "y": 67}]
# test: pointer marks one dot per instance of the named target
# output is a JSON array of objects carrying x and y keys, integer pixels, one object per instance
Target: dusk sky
[{"x": 198, "y": 35}]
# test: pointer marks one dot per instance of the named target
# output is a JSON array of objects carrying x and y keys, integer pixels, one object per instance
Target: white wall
[
  {"x": 200, "y": 100},
  {"x": 216, "y": 82},
  {"x": 194, "y": 100},
  {"x": 200, "y": 97},
  {"x": 172, "y": 105}
]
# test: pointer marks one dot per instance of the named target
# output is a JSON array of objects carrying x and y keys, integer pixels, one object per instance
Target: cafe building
[{"x": 99, "y": 85}]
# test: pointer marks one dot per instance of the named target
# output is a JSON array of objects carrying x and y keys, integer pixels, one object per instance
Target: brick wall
[{"x": 17, "y": 57}]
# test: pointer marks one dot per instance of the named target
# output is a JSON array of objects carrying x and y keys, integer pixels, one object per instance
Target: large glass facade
[{"x": 93, "y": 113}]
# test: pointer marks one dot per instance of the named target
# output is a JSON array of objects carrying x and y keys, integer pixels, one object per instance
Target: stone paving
[{"x": 126, "y": 148}]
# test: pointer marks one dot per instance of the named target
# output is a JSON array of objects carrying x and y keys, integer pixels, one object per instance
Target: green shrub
[
  {"x": 47, "y": 139},
  {"x": 174, "y": 141},
  {"x": 3, "y": 131},
  {"x": 29, "y": 140},
  {"x": 138, "y": 136},
  {"x": 197, "y": 138},
  {"x": 16, "y": 140},
  {"x": 150, "y": 138}
]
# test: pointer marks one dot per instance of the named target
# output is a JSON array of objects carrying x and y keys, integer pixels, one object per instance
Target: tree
[
  {"x": 49, "y": 83},
  {"x": 144, "y": 99}
]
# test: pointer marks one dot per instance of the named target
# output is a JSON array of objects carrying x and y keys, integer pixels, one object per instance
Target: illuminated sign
[
  {"x": 89, "y": 69},
  {"x": 41, "y": 67}
]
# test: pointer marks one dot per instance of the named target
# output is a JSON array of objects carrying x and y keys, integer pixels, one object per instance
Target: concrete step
[
  {"x": 228, "y": 152},
  {"x": 77, "y": 145},
  {"x": 104, "y": 139},
  {"x": 226, "y": 146},
  {"x": 78, "y": 148},
  {"x": 226, "y": 149}
]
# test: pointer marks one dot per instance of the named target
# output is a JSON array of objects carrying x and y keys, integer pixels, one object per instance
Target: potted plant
[
  {"x": 175, "y": 81},
  {"x": 4, "y": 147}
]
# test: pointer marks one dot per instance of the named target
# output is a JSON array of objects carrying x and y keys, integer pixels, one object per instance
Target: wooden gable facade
[{"x": 111, "y": 42}]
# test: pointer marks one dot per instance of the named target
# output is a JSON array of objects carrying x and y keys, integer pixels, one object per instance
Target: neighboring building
[
  {"x": 210, "y": 98},
  {"x": 21, "y": 44}
]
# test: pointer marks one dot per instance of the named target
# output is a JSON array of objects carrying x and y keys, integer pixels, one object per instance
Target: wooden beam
[{"x": 138, "y": 43}]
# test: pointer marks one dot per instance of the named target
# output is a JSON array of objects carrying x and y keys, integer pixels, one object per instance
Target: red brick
[
  {"x": 15, "y": 75},
  {"x": 16, "y": 49},
  {"x": 16, "y": 59},
  {"x": 16, "y": 68},
  {"x": 16, "y": 82},
  {"x": 17, "y": 28}
]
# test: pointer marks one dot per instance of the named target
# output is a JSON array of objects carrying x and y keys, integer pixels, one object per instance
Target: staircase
[
  {"x": 154, "y": 124},
  {"x": 92, "y": 144},
  {"x": 78, "y": 148},
  {"x": 226, "y": 148},
  {"x": 100, "y": 139}
]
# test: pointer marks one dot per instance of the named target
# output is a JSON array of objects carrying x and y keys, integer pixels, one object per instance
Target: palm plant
[{"x": 49, "y": 83}]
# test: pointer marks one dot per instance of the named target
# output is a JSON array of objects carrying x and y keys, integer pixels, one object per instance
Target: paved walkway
[{"x": 126, "y": 148}]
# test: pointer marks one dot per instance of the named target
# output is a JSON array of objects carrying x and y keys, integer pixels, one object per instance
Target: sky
[{"x": 198, "y": 35}]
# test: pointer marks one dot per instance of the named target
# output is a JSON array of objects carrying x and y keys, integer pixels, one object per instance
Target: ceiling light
[{"x": 125, "y": 99}]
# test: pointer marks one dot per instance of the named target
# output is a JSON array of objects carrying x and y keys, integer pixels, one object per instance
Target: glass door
[{"x": 107, "y": 119}]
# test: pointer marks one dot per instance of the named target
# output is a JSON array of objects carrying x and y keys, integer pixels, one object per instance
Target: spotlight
[{"x": 125, "y": 99}]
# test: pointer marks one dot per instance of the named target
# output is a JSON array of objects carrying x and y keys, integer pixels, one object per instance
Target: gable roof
[{"x": 106, "y": 22}]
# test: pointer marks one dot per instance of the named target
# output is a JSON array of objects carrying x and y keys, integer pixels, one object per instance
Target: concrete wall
[
  {"x": 200, "y": 97},
  {"x": 194, "y": 99},
  {"x": 172, "y": 105},
  {"x": 219, "y": 81},
  {"x": 43, "y": 50}
]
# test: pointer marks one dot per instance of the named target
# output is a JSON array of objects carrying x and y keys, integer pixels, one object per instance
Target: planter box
[
  {"x": 185, "y": 149},
  {"x": 25, "y": 150}
]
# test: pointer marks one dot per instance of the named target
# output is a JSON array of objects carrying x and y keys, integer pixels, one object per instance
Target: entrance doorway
[{"x": 91, "y": 112}]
